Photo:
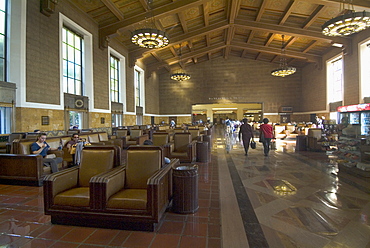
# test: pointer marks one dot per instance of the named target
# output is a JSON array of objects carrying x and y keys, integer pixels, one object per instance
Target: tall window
[
  {"x": 72, "y": 46},
  {"x": 335, "y": 79},
  {"x": 138, "y": 100},
  {"x": 364, "y": 69},
  {"x": 5, "y": 117},
  {"x": 114, "y": 78},
  {"x": 117, "y": 120},
  {"x": 3, "y": 38}
]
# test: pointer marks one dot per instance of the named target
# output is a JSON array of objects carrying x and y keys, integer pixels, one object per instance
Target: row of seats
[{"x": 96, "y": 193}]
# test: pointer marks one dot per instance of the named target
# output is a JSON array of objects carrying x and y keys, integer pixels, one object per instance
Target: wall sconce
[{"x": 47, "y": 7}]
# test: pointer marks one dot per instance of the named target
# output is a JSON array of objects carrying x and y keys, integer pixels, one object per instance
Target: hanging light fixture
[
  {"x": 284, "y": 69},
  {"x": 347, "y": 22},
  {"x": 181, "y": 75},
  {"x": 150, "y": 37}
]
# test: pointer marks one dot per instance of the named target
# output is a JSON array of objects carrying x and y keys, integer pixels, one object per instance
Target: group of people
[
  {"x": 266, "y": 135},
  {"x": 41, "y": 147}
]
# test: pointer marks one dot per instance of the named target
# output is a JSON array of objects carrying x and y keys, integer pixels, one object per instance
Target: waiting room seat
[
  {"x": 183, "y": 148},
  {"x": 195, "y": 134},
  {"x": 161, "y": 139},
  {"x": 68, "y": 192},
  {"x": 117, "y": 160},
  {"x": 139, "y": 193},
  {"x": 136, "y": 137},
  {"x": 23, "y": 147}
]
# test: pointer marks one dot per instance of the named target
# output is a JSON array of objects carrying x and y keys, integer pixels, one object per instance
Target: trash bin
[
  {"x": 301, "y": 143},
  {"x": 202, "y": 151},
  {"x": 185, "y": 188},
  {"x": 208, "y": 139}
]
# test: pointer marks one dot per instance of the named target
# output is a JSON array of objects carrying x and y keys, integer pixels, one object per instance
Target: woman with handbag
[
  {"x": 266, "y": 134},
  {"x": 246, "y": 133}
]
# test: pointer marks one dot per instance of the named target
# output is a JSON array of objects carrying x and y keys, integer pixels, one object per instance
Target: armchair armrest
[
  {"x": 58, "y": 182},
  {"x": 142, "y": 138},
  {"x": 159, "y": 191},
  {"x": 58, "y": 153},
  {"x": 105, "y": 185},
  {"x": 192, "y": 150}
]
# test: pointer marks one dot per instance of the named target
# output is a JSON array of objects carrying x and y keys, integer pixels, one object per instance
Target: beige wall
[
  {"x": 95, "y": 120},
  {"x": 230, "y": 80},
  {"x": 29, "y": 119}
]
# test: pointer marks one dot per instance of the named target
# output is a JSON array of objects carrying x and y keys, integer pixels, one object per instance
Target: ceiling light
[
  {"x": 180, "y": 75},
  {"x": 149, "y": 36},
  {"x": 347, "y": 22},
  {"x": 284, "y": 69}
]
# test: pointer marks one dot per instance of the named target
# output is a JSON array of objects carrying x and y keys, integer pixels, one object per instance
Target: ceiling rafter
[
  {"x": 310, "y": 46},
  {"x": 291, "y": 31},
  {"x": 313, "y": 16},
  {"x": 183, "y": 22},
  {"x": 276, "y": 51},
  {"x": 206, "y": 14},
  {"x": 287, "y": 12},
  {"x": 145, "y": 4},
  {"x": 112, "y": 7},
  {"x": 162, "y": 11},
  {"x": 234, "y": 9}
]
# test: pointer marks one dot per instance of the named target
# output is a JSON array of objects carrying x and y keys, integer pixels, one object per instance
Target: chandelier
[
  {"x": 284, "y": 69},
  {"x": 150, "y": 37},
  {"x": 347, "y": 22},
  {"x": 180, "y": 76}
]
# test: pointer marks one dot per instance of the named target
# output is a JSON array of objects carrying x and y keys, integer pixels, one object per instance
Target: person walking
[
  {"x": 266, "y": 134},
  {"x": 246, "y": 133}
]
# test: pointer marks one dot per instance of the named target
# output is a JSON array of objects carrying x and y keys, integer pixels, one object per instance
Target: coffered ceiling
[{"x": 208, "y": 29}]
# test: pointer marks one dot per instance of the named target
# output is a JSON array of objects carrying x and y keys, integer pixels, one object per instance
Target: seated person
[
  {"x": 74, "y": 140},
  {"x": 42, "y": 148}
]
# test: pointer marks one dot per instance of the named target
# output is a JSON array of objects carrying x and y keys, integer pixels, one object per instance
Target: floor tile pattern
[{"x": 287, "y": 199}]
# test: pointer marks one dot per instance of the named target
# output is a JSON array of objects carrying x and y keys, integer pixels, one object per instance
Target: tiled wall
[
  {"x": 229, "y": 80},
  {"x": 29, "y": 119}
]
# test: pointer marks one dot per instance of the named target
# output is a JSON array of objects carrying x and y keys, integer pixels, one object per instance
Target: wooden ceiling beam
[
  {"x": 261, "y": 10},
  {"x": 268, "y": 42},
  {"x": 359, "y": 5},
  {"x": 287, "y": 12},
  {"x": 234, "y": 6},
  {"x": 273, "y": 28},
  {"x": 112, "y": 7},
  {"x": 160, "y": 12},
  {"x": 183, "y": 22},
  {"x": 206, "y": 14},
  {"x": 208, "y": 40},
  {"x": 196, "y": 53},
  {"x": 311, "y": 45},
  {"x": 313, "y": 16},
  {"x": 145, "y": 4},
  {"x": 276, "y": 51},
  {"x": 250, "y": 37}
]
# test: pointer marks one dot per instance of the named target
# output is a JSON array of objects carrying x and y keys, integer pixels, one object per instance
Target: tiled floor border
[{"x": 252, "y": 227}]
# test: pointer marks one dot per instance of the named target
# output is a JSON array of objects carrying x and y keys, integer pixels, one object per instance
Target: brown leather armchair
[
  {"x": 183, "y": 147},
  {"x": 67, "y": 193},
  {"x": 195, "y": 134},
  {"x": 136, "y": 137},
  {"x": 137, "y": 195},
  {"x": 161, "y": 140}
]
